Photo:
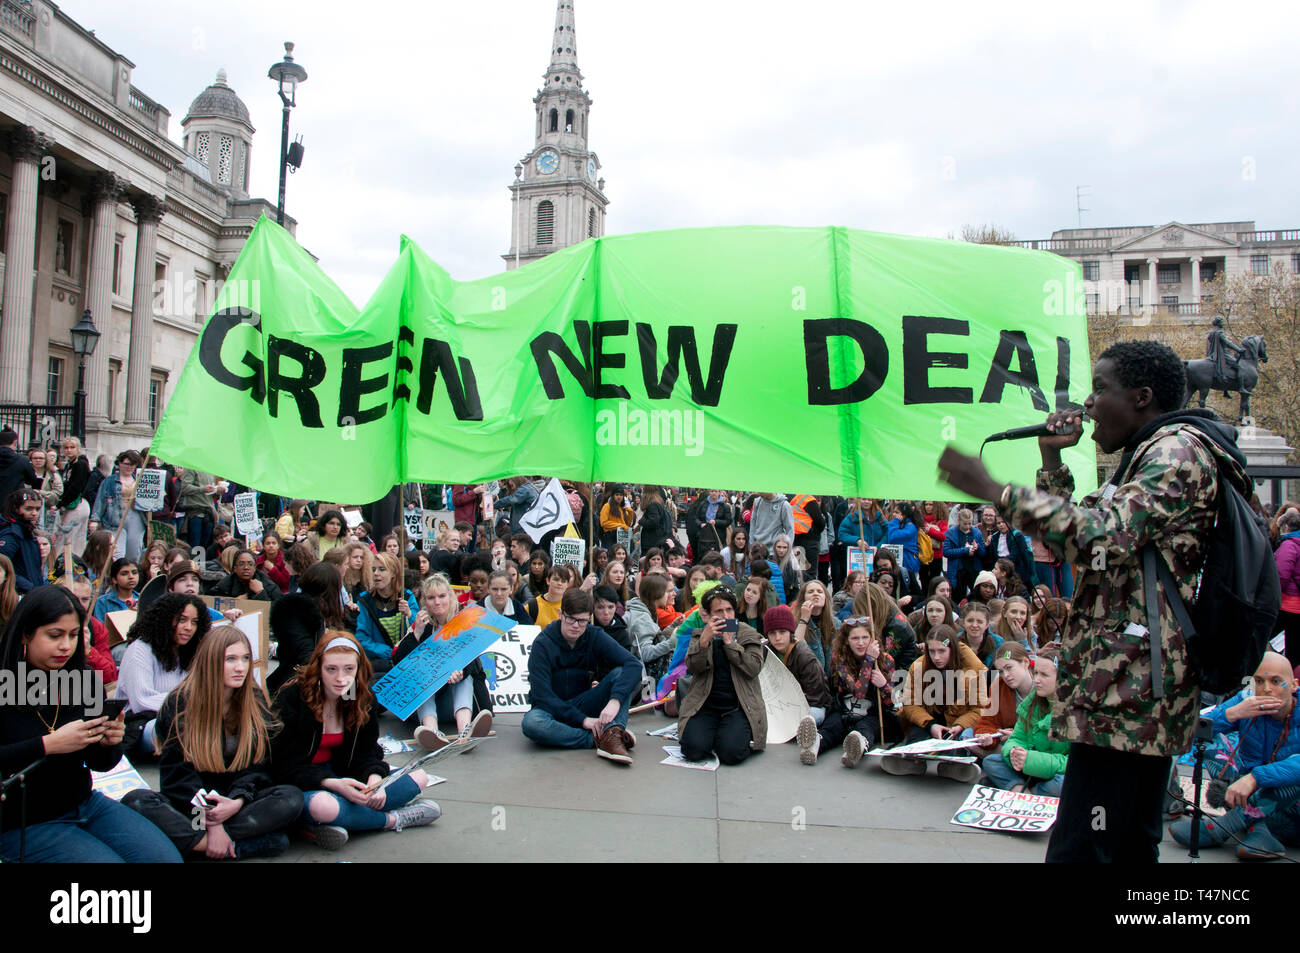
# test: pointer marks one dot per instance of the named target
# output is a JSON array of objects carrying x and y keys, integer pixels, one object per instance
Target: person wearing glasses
[{"x": 572, "y": 707}]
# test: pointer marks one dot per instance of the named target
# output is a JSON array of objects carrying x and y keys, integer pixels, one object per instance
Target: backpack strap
[{"x": 1155, "y": 571}]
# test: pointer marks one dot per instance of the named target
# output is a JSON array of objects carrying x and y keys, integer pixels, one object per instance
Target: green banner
[{"x": 820, "y": 360}]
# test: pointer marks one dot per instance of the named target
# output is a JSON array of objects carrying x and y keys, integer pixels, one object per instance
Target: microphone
[{"x": 1037, "y": 430}]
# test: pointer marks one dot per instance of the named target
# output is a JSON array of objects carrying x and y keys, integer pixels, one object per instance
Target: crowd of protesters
[{"x": 900, "y": 620}]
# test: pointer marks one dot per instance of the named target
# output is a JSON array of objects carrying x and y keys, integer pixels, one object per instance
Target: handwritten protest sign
[
  {"x": 568, "y": 551},
  {"x": 993, "y": 810},
  {"x": 623, "y": 537},
  {"x": 427, "y": 668},
  {"x": 162, "y": 532},
  {"x": 929, "y": 747},
  {"x": 414, "y": 520},
  {"x": 510, "y": 686},
  {"x": 246, "y": 520},
  {"x": 895, "y": 550},
  {"x": 783, "y": 699}
]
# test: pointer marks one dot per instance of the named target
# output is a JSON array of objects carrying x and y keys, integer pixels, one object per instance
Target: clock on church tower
[{"x": 557, "y": 197}]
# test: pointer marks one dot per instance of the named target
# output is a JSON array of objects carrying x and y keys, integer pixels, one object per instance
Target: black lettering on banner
[
  {"x": 548, "y": 345},
  {"x": 1013, "y": 344},
  {"x": 404, "y": 366},
  {"x": 462, "y": 387},
  {"x": 875, "y": 357},
  {"x": 918, "y": 359},
  {"x": 681, "y": 343},
  {"x": 299, "y": 388},
  {"x": 353, "y": 388},
  {"x": 601, "y": 360},
  {"x": 1063, "y": 401},
  {"x": 214, "y": 336}
]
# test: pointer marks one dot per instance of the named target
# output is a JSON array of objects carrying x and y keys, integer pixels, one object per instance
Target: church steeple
[{"x": 557, "y": 199}]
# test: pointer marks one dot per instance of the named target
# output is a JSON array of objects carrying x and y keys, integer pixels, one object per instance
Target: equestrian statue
[{"x": 1226, "y": 367}]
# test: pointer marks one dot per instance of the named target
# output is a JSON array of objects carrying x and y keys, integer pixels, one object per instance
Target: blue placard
[{"x": 418, "y": 676}]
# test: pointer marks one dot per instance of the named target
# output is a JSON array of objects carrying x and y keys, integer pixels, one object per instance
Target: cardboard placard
[
  {"x": 149, "y": 490},
  {"x": 352, "y": 517},
  {"x": 162, "y": 532},
  {"x": 436, "y": 523},
  {"x": 568, "y": 551},
  {"x": 119, "y": 624},
  {"x": 783, "y": 698},
  {"x": 246, "y": 520},
  {"x": 993, "y": 810},
  {"x": 861, "y": 560}
]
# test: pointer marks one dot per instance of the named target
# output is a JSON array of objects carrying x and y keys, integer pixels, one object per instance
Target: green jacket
[
  {"x": 1168, "y": 496},
  {"x": 1045, "y": 757}
]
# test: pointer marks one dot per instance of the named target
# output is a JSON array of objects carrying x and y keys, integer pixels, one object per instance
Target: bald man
[{"x": 1264, "y": 800}]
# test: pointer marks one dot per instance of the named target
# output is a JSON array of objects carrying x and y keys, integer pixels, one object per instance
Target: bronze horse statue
[{"x": 1201, "y": 379}]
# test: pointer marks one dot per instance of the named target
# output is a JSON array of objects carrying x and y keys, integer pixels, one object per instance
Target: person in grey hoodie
[
  {"x": 770, "y": 517},
  {"x": 643, "y": 625}
]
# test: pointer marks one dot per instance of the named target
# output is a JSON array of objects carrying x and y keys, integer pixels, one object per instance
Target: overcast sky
[{"x": 903, "y": 117}]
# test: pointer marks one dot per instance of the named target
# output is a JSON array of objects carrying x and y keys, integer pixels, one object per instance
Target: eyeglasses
[{"x": 574, "y": 620}]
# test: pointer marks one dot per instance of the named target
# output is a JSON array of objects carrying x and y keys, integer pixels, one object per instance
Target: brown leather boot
[{"x": 612, "y": 746}]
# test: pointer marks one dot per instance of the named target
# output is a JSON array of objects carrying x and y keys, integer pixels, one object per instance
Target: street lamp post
[
  {"x": 84, "y": 338},
  {"x": 287, "y": 74}
]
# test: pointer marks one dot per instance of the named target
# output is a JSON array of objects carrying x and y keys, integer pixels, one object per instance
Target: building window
[
  {"x": 1169, "y": 274},
  {"x": 155, "y": 401},
  {"x": 1295, "y": 263},
  {"x": 568, "y": 120},
  {"x": 201, "y": 149},
  {"x": 224, "y": 157},
  {"x": 1132, "y": 273},
  {"x": 1170, "y": 302},
  {"x": 1091, "y": 270},
  {"x": 54, "y": 381},
  {"x": 1259, "y": 264},
  {"x": 555, "y": 120},
  {"x": 64, "y": 241},
  {"x": 1208, "y": 270},
  {"x": 114, "y": 373},
  {"x": 159, "y": 276},
  {"x": 545, "y": 223},
  {"x": 1093, "y": 302},
  {"x": 117, "y": 264},
  {"x": 243, "y": 166},
  {"x": 591, "y": 223}
]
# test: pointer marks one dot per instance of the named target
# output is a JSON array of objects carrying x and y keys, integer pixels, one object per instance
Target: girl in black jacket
[
  {"x": 66, "y": 821},
  {"x": 328, "y": 746},
  {"x": 215, "y": 734}
]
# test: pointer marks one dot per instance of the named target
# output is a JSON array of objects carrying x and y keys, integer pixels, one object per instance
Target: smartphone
[
  {"x": 114, "y": 707},
  {"x": 731, "y": 625}
]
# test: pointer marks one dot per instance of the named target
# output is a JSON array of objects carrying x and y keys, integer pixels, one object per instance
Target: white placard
[
  {"x": 414, "y": 520},
  {"x": 860, "y": 560},
  {"x": 677, "y": 761},
  {"x": 568, "y": 551},
  {"x": 551, "y": 511},
  {"x": 251, "y": 625},
  {"x": 353, "y": 518},
  {"x": 436, "y": 523},
  {"x": 992, "y": 810},
  {"x": 783, "y": 698},
  {"x": 510, "y": 653},
  {"x": 928, "y": 747},
  {"x": 246, "y": 520},
  {"x": 149, "y": 489}
]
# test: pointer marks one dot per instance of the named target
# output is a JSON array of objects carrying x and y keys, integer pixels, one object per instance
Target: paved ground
[{"x": 511, "y": 801}]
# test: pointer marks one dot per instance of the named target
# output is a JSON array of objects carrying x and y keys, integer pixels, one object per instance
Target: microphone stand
[{"x": 21, "y": 780}]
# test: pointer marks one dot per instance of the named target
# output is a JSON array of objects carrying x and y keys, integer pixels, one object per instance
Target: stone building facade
[
  {"x": 558, "y": 196},
  {"x": 103, "y": 210}
]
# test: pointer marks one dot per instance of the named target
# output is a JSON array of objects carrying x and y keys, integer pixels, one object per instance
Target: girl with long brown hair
[
  {"x": 216, "y": 730},
  {"x": 385, "y": 611},
  {"x": 814, "y": 622},
  {"x": 861, "y": 682},
  {"x": 1031, "y": 760},
  {"x": 328, "y": 747},
  {"x": 942, "y": 697}
]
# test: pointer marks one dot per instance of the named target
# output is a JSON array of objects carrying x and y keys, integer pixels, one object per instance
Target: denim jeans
[
  {"x": 357, "y": 817},
  {"x": 99, "y": 831},
  {"x": 461, "y": 695},
  {"x": 541, "y": 726},
  {"x": 198, "y": 529},
  {"x": 1001, "y": 775},
  {"x": 131, "y": 540}
]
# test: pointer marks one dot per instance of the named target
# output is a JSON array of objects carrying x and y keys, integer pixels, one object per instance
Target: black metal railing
[{"x": 46, "y": 424}]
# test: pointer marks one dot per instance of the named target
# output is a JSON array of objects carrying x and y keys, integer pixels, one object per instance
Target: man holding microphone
[{"x": 1126, "y": 710}]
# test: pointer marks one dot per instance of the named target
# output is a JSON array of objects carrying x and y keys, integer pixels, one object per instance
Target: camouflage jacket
[{"x": 1169, "y": 496}]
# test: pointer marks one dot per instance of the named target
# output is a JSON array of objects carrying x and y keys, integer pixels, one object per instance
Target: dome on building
[{"x": 218, "y": 101}]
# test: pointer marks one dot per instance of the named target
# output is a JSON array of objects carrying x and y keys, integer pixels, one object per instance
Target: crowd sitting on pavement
[{"x": 901, "y": 621}]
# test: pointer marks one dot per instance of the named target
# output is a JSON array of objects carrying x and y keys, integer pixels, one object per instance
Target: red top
[{"x": 327, "y": 745}]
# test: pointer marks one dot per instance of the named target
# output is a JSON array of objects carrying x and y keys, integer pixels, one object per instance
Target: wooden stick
[
  {"x": 591, "y": 529},
  {"x": 667, "y": 698}
]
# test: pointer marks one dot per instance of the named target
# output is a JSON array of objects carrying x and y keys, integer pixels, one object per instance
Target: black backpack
[{"x": 1238, "y": 595}]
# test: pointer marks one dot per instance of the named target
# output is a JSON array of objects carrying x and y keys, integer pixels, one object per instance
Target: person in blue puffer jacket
[
  {"x": 871, "y": 530},
  {"x": 1264, "y": 801},
  {"x": 962, "y": 548},
  {"x": 903, "y": 524}
]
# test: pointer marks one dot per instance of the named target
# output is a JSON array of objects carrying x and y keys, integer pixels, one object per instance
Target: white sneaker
[
  {"x": 807, "y": 738},
  {"x": 854, "y": 745},
  {"x": 809, "y": 755},
  {"x": 901, "y": 764},
  {"x": 959, "y": 771},
  {"x": 431, "y": 739},
  {"x": 417, "y": 814}
]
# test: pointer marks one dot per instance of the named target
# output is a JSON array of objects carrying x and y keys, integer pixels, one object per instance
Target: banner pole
[{"x": 591, "y": 528}]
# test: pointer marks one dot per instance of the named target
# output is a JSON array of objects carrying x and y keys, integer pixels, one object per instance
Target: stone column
[
  {"x": 26, "y": 146},
  {"x": 1196, "y": 283},
  {"x": 1153, "y": 299},
  {"x": 105, "y": 191},
  {"x": 149, "y": 210}
]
